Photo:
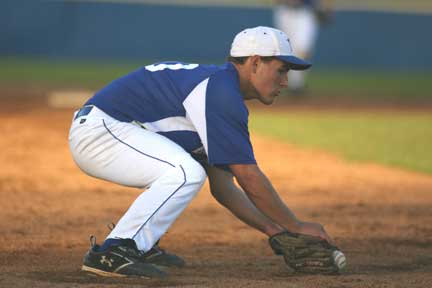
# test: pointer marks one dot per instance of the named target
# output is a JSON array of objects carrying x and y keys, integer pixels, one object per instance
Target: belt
[{"x": 84, "y": 111}]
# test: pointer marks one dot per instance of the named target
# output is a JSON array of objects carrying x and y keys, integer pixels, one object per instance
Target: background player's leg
[
  {"x": 301, "y": 27},
  {"x": 303, "y": 40}
]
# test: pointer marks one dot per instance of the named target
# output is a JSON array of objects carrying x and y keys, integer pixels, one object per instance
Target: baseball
[{"x": 339, "y": 259}]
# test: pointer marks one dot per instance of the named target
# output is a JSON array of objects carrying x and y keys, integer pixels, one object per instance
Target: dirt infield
[{"x": 380, "y": 217}]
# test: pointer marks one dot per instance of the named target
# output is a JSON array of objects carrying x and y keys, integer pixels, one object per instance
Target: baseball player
[
  {"x": 300, "y": 20},
  {"x": 164, "y": 128}
]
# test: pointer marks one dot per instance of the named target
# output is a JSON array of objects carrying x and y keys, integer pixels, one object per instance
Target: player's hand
[{"x": 314, "y": 229}]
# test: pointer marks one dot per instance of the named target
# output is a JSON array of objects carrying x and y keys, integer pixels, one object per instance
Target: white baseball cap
[{"x": 266, "y": 41}]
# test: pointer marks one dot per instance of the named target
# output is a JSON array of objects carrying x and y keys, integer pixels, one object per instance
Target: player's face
[{"x": 268, "y": 79}]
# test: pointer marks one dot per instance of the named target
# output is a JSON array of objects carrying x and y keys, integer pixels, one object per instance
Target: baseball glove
[{"x": 304, "y": 253}]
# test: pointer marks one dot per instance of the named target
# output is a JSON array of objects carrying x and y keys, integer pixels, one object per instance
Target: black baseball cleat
[
  {"x": 122, "y": 260},
  {"x": 160, "y": 257},
  {"x": 157, "y": 255}
]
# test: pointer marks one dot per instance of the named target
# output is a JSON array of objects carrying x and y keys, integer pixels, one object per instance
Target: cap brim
[{"x": 295, "y": 63}]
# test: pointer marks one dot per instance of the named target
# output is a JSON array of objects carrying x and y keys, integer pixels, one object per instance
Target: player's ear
[{"x": 255, "y": 60}]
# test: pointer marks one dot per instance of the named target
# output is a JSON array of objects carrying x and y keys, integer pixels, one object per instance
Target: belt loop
[{"x": 84, "y": 111}]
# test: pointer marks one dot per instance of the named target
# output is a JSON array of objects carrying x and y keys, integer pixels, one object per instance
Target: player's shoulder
[
  {"x": 225, "y": 80},
  {"x": 225, "y": 71},
  {"x": 223, "y": 92}
]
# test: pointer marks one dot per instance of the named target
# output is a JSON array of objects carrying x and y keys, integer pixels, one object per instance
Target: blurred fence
[{"x": 78, "y": 29}]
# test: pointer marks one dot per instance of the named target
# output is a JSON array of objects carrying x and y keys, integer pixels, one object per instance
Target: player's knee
[{"x": 194, "y": 172}]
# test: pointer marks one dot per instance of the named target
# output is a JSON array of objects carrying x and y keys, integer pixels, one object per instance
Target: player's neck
[{"x": 246, "y": 88}]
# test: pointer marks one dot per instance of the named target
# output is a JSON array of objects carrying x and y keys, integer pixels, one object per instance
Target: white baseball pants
[{"x": 127, "y": 154}]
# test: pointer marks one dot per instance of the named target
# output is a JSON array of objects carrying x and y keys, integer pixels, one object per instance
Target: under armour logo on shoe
[{"x": 104, "y": 260}]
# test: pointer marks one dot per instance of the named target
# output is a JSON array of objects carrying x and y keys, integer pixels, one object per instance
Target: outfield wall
[{"x": 66, "y": 29}]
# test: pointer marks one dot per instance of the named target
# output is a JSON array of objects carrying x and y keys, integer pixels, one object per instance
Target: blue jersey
[{"x": 199, "y": 107}]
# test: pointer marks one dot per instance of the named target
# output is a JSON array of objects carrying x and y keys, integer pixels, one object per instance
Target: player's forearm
[
  {"x": 234, "y": 199},
  {"x": 260, "y": 191}
]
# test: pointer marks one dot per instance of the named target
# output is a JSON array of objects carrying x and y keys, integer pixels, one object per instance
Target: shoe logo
[{"x": 104, "y": 260}]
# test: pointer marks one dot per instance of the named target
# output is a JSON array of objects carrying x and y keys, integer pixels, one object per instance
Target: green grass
[
  {"x": 81, "y": 73},
  {"x": 403, "y": 140},
  {"x": 368, "y": 85},
  {"x": 358, "y": 85}
]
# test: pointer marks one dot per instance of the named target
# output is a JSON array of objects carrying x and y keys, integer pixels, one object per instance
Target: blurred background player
[{"x": 300, "y": 20}]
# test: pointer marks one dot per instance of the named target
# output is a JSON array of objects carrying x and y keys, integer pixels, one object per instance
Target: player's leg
[
  {"x": 127, "y": 154},
  {"x": 303, "y": 41},
  {"x": 156, "y": 209},
  {"x": 301, "y": 27}
]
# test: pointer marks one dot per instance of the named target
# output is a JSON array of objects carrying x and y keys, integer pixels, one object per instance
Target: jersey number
[{"x": 163, "y": 66}]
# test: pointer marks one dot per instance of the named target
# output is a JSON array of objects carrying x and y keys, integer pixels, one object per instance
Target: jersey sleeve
[{"x": 226, "y": 115}]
